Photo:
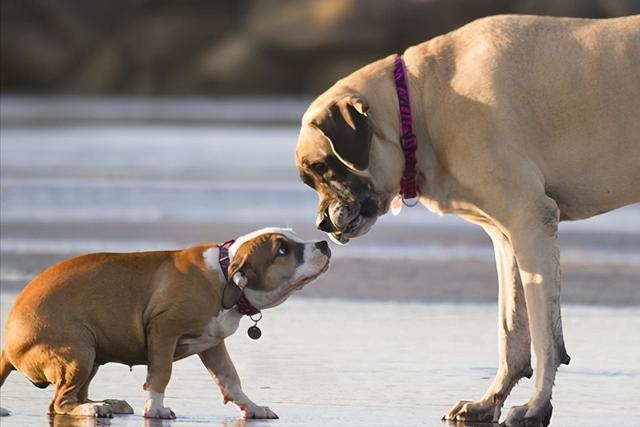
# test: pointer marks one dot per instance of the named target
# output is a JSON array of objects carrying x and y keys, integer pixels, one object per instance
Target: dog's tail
[{"x": 5, "y": 369}]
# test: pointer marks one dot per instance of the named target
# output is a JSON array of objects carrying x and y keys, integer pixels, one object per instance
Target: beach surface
[
  {"x": 328, "y": 362},
  {"x": 401, "y": 326}
]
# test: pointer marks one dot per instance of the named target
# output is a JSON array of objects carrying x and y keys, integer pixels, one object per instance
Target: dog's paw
[
  {"x": 255, "y": 411},
  {"x": 98, "y": 410},
  {"x": 119, "y": 406},
  {"x": 158, "y": 412},
  {"x": 477, "y": 412},
  {"x": 524, "y": 416}
]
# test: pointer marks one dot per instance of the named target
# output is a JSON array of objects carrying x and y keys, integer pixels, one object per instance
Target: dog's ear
[
  {"x": 240, "y": 273},
  {"x": 347, "y": 126},
  {"x": 230, "y": 295}
]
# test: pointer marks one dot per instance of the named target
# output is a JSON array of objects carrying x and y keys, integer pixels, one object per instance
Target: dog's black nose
[
  {"x": 323, "y": 246},
  {"x": 324, "y": 222}
]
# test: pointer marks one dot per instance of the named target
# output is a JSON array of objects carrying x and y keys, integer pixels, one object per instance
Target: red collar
[
  {"x": 242, "y": 305},
  {"x": 408, "y": 185}
]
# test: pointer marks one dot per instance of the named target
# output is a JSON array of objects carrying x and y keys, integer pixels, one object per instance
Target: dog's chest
[{"x": 218, "y": 328}]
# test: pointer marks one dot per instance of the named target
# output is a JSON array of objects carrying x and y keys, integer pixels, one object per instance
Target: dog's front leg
[
  {"x": 514, "y": 339},
  {"x": 221, "y": 369},
  {"x": 538, "y": 260},
  {"x": 160, "y": 349}
]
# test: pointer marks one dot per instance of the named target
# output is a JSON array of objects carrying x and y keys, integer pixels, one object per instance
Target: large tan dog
[
  {"x": 521, "y": 122},
  {"x": 151, "y": 308}
]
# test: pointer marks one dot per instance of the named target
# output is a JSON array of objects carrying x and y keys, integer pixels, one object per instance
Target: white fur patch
[
  {"x": 155, "y": 402},
  {"x": 287, "y": 232},
  {"x": 218, "y": 328},
  {"x": 154, "y": 407},
  {"x": 211, "y": 258}
]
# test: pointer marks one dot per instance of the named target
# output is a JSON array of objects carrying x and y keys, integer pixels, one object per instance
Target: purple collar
[
  {"x": 408, "y": 185},
  {"x": 242, "y": 305}
]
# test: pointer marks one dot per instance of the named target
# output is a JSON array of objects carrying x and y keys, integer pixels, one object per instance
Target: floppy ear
[
  {"x": 242, "y": 274},
  {"x": 230, "y": 295},
  {"x": 233, "y": 288},
  {"x": 347, "y": 127}
]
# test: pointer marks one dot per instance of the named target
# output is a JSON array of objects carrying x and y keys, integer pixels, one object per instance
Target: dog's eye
[
  {"x": 319, "y": 167},
  {"x": 283, "y": 251}
]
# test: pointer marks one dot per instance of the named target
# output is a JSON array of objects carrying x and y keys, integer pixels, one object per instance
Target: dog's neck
[
  {"x": 376, "y": 84},
  {"x": 386, "y": 117},
  {"x": 224, "y": 259}
]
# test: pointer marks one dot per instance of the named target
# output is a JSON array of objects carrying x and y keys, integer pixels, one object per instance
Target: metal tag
[{"x": 254, "y": 332}]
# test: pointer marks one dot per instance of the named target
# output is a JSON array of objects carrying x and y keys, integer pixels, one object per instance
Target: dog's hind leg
[
  {"x": 5, "y": 369},
  {"x": 71, "y": 370},
  {"x": 534, "y": 237},
  {"x": 117, "y": 406},
  {"x": 515, "y": 342}
]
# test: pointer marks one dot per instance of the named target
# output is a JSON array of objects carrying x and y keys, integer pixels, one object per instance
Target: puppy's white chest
[
  {"x": 218, "y": 328},
  {"x": 223, "y": 325}
]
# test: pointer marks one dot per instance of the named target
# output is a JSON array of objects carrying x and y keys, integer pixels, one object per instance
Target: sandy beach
[
  {"x": 328, "y": 362},
  {"x": 402, "y": 325}
]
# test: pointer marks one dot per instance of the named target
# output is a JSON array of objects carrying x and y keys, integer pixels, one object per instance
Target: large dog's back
[{"x": 565, "y": 91}]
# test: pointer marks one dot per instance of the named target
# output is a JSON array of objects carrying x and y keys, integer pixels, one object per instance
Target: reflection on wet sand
[{"x": 70, "y": 421}]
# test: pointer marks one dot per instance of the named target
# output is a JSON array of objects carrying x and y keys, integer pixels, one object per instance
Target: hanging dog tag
[
  {"x": 254, "y": 332},
  {"x": 396, "y": 205}
]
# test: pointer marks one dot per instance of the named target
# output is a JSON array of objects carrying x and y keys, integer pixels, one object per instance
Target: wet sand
[{"x": 332, "y": 362}]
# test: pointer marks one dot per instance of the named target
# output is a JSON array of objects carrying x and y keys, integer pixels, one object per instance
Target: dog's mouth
[
  {"x": 303, "y": 281},
  {"x": 326, "y": 267},
  {"x": 353, "y": 225},
  {"x": 358, "y": 225}
]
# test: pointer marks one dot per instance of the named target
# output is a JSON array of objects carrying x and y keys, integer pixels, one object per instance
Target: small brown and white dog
[{"x": 151, "y": 308}]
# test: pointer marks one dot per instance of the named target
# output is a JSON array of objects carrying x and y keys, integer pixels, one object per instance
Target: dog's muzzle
[{"x": 347, "y": 220}]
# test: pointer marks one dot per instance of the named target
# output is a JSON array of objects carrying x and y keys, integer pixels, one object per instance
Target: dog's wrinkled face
[
  {"x": 332, "y": 157},
  {"x": 270, "y": 264}
]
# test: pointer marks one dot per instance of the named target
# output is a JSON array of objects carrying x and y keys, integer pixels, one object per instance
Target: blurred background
[
  {"x": 155, "y": 124},
  {"x": 202, "y": 47},
  {"x": 130, "y": 125}
]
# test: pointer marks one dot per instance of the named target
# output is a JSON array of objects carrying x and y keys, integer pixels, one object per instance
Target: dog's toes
[
  {"x": 104, "y": 411},
  {"x": 271, "y": 414},
  {"x": 466, "y": 410},
  {"x": 98, "y": 410},
  {"x": 161, "y": 413},
  {"x": 524, "y": 416},
  {"x": 119, "y": 406},
  {"x": 256, "y": 411}
]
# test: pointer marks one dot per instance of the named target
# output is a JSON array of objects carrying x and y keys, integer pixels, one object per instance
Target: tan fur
[
  {"x": 147, "y": 308},
  {"x": 522, "y": 121}
]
